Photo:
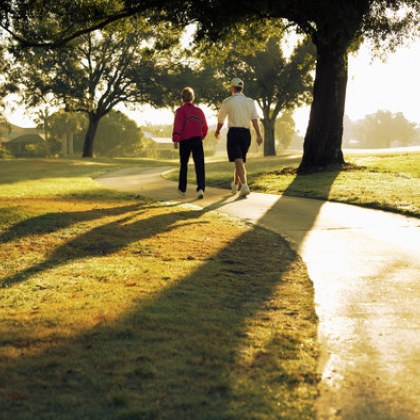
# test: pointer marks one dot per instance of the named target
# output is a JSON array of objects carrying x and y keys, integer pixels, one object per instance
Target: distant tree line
[
  {"x": 64, "y": 134},
  {"x": 382, "y": 129}
]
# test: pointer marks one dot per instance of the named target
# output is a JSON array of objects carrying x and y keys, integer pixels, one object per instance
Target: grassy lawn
[
  {"x": 115, "y": 306},
  {"x": 383, "y": 181}
]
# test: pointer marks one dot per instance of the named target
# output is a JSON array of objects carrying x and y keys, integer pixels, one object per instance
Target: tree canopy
[
  {"x": 276, "y": 80},
  {"x": 97, "y": 71},
  {"x": 336, "y": 27}
]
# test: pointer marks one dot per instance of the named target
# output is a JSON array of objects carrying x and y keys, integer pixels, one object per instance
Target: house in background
[
  {"x": 16, "y": 139},
  {"x": 159, "y": 147}
]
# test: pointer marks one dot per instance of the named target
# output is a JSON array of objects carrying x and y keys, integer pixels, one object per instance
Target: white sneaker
[
  {"x": 235, "y": 187},
  {"x": 244, "y": 191},
  {"x": 200, "y": 194},
  {"x": 182, "y": 193}
]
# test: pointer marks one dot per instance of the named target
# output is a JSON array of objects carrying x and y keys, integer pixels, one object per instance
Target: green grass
[
  {"x": 383, "y": 181},
  {"x": 59, "y": 177},
  {"x": 115, "y": 306}
]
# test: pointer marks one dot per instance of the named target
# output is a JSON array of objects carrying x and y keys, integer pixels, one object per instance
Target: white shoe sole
[
  {"x": 235, "y": 188},
  {"x": 244, "y": 193}
]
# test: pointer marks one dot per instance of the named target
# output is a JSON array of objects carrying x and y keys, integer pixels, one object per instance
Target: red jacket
[{"x": 189, "y": 122}]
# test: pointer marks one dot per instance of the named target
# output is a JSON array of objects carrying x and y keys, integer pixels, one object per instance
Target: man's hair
[
  {"x": 237, "y": 89},
  {"x": 187, "y": 94}
]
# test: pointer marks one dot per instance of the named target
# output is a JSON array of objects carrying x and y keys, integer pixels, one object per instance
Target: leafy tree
[
  {"x": 4, "y": 131},
  {"x": 99, "y": 70},
  {"x": 118, "y": 136},
  {"x": 275, "y": 82},
  {"x": 286, "y": 86},
  {"x": 285, "y": 130},
  {"x": 63, "y": 127},
  {"x": 336, "y": 27},
  {"x": 384, "y": 129}
]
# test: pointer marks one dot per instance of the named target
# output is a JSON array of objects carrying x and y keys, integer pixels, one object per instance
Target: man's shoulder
[
  {"x": 242, "y": 97},
  {"x": 228, "y": 99},
  {"x": 247, "y": 98}
]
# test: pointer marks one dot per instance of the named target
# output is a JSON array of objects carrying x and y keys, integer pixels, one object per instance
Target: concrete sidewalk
[{"x": 365, "y": 267}]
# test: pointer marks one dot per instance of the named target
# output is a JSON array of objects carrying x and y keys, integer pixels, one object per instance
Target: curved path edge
[{"x": 365, "y": 268}]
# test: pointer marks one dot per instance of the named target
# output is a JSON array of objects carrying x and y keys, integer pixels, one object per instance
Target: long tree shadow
[
  {"x": 176, "y": 356},
  {"x": 294, "y": 216},
  {"x": 200, "y": 364},
  {"x": 54, "y": 221},
  {"x": 100, "y": 241}
]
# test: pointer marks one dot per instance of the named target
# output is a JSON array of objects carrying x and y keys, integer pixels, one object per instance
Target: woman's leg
[
  {"x": 184, "y": 157},
  {"x": 198, "y": 156}
]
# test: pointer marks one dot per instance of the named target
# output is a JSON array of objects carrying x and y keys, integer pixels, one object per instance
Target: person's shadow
[{"x": 199, "y": 360}]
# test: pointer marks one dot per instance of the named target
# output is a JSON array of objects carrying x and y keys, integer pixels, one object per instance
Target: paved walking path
[{"x": 365, "y": 267}]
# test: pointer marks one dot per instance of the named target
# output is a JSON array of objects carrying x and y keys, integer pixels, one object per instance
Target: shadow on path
[{"x": 127, "y": 370}]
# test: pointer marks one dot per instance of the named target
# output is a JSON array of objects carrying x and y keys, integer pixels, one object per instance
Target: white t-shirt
[{"x": 239, "y": 109}]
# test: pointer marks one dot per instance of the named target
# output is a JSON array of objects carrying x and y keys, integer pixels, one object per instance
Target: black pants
[{"x": 194, "y": 145}]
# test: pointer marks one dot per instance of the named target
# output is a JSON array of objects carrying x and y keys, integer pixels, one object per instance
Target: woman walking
[{"x": 190, "y": 128}]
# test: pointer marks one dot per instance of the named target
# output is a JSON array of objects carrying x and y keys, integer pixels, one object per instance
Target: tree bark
[
  {"x": 70, "y": 142},
  {"x": 269, "y": 138},
  {"x": 64, "y": 145},
  {"x": 90, "y": 135},
  {"x": 322, "y": 144}
]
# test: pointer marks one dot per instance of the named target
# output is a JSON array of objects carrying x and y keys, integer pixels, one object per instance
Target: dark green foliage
[{"x": 118, "y": 136}]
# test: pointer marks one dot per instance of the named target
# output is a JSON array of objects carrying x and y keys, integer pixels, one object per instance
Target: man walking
[{"x": 241, "y": 113}]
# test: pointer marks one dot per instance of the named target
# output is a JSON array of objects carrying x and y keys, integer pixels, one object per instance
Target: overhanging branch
[{"x": 64, "y": 40}]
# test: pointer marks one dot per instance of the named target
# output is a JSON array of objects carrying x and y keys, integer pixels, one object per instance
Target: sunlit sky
[{"x": 373, "y": 85}]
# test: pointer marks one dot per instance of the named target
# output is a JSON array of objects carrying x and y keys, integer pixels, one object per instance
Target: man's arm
[
  {"x": 220, "y": 119},
  {"x": 257, "y": 130},
  {"x": 219, "y": 127}
]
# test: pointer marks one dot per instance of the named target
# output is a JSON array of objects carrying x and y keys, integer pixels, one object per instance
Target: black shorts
[{"x": 238, "y": 142}]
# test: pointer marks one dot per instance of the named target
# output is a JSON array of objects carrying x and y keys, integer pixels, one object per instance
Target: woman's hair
[{"x": 187, "y": 94}]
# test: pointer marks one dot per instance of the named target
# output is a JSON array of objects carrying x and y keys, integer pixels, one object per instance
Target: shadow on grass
[
  {"x": 318, "y": 185},
  {"x": 188, "y": 352},
  {"x": 103, "y": 240},
  {"x": 52, "y": 222},
  {"x": 184, "y": 354}
]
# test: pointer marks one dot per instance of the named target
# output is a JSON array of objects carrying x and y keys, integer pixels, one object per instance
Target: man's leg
[
  {"x": 240, "y": 171},
  {"x": 236, "y": 179},
  {"x": 235, "y": 186}
]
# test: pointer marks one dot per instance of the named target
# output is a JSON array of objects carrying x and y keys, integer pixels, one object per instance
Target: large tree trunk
[
  {"x": 322, "y": 145},
  {"x": 269, "y": 138},
  {"x": 70, "y": 142},
  {"x": 90, "y": 135}
]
